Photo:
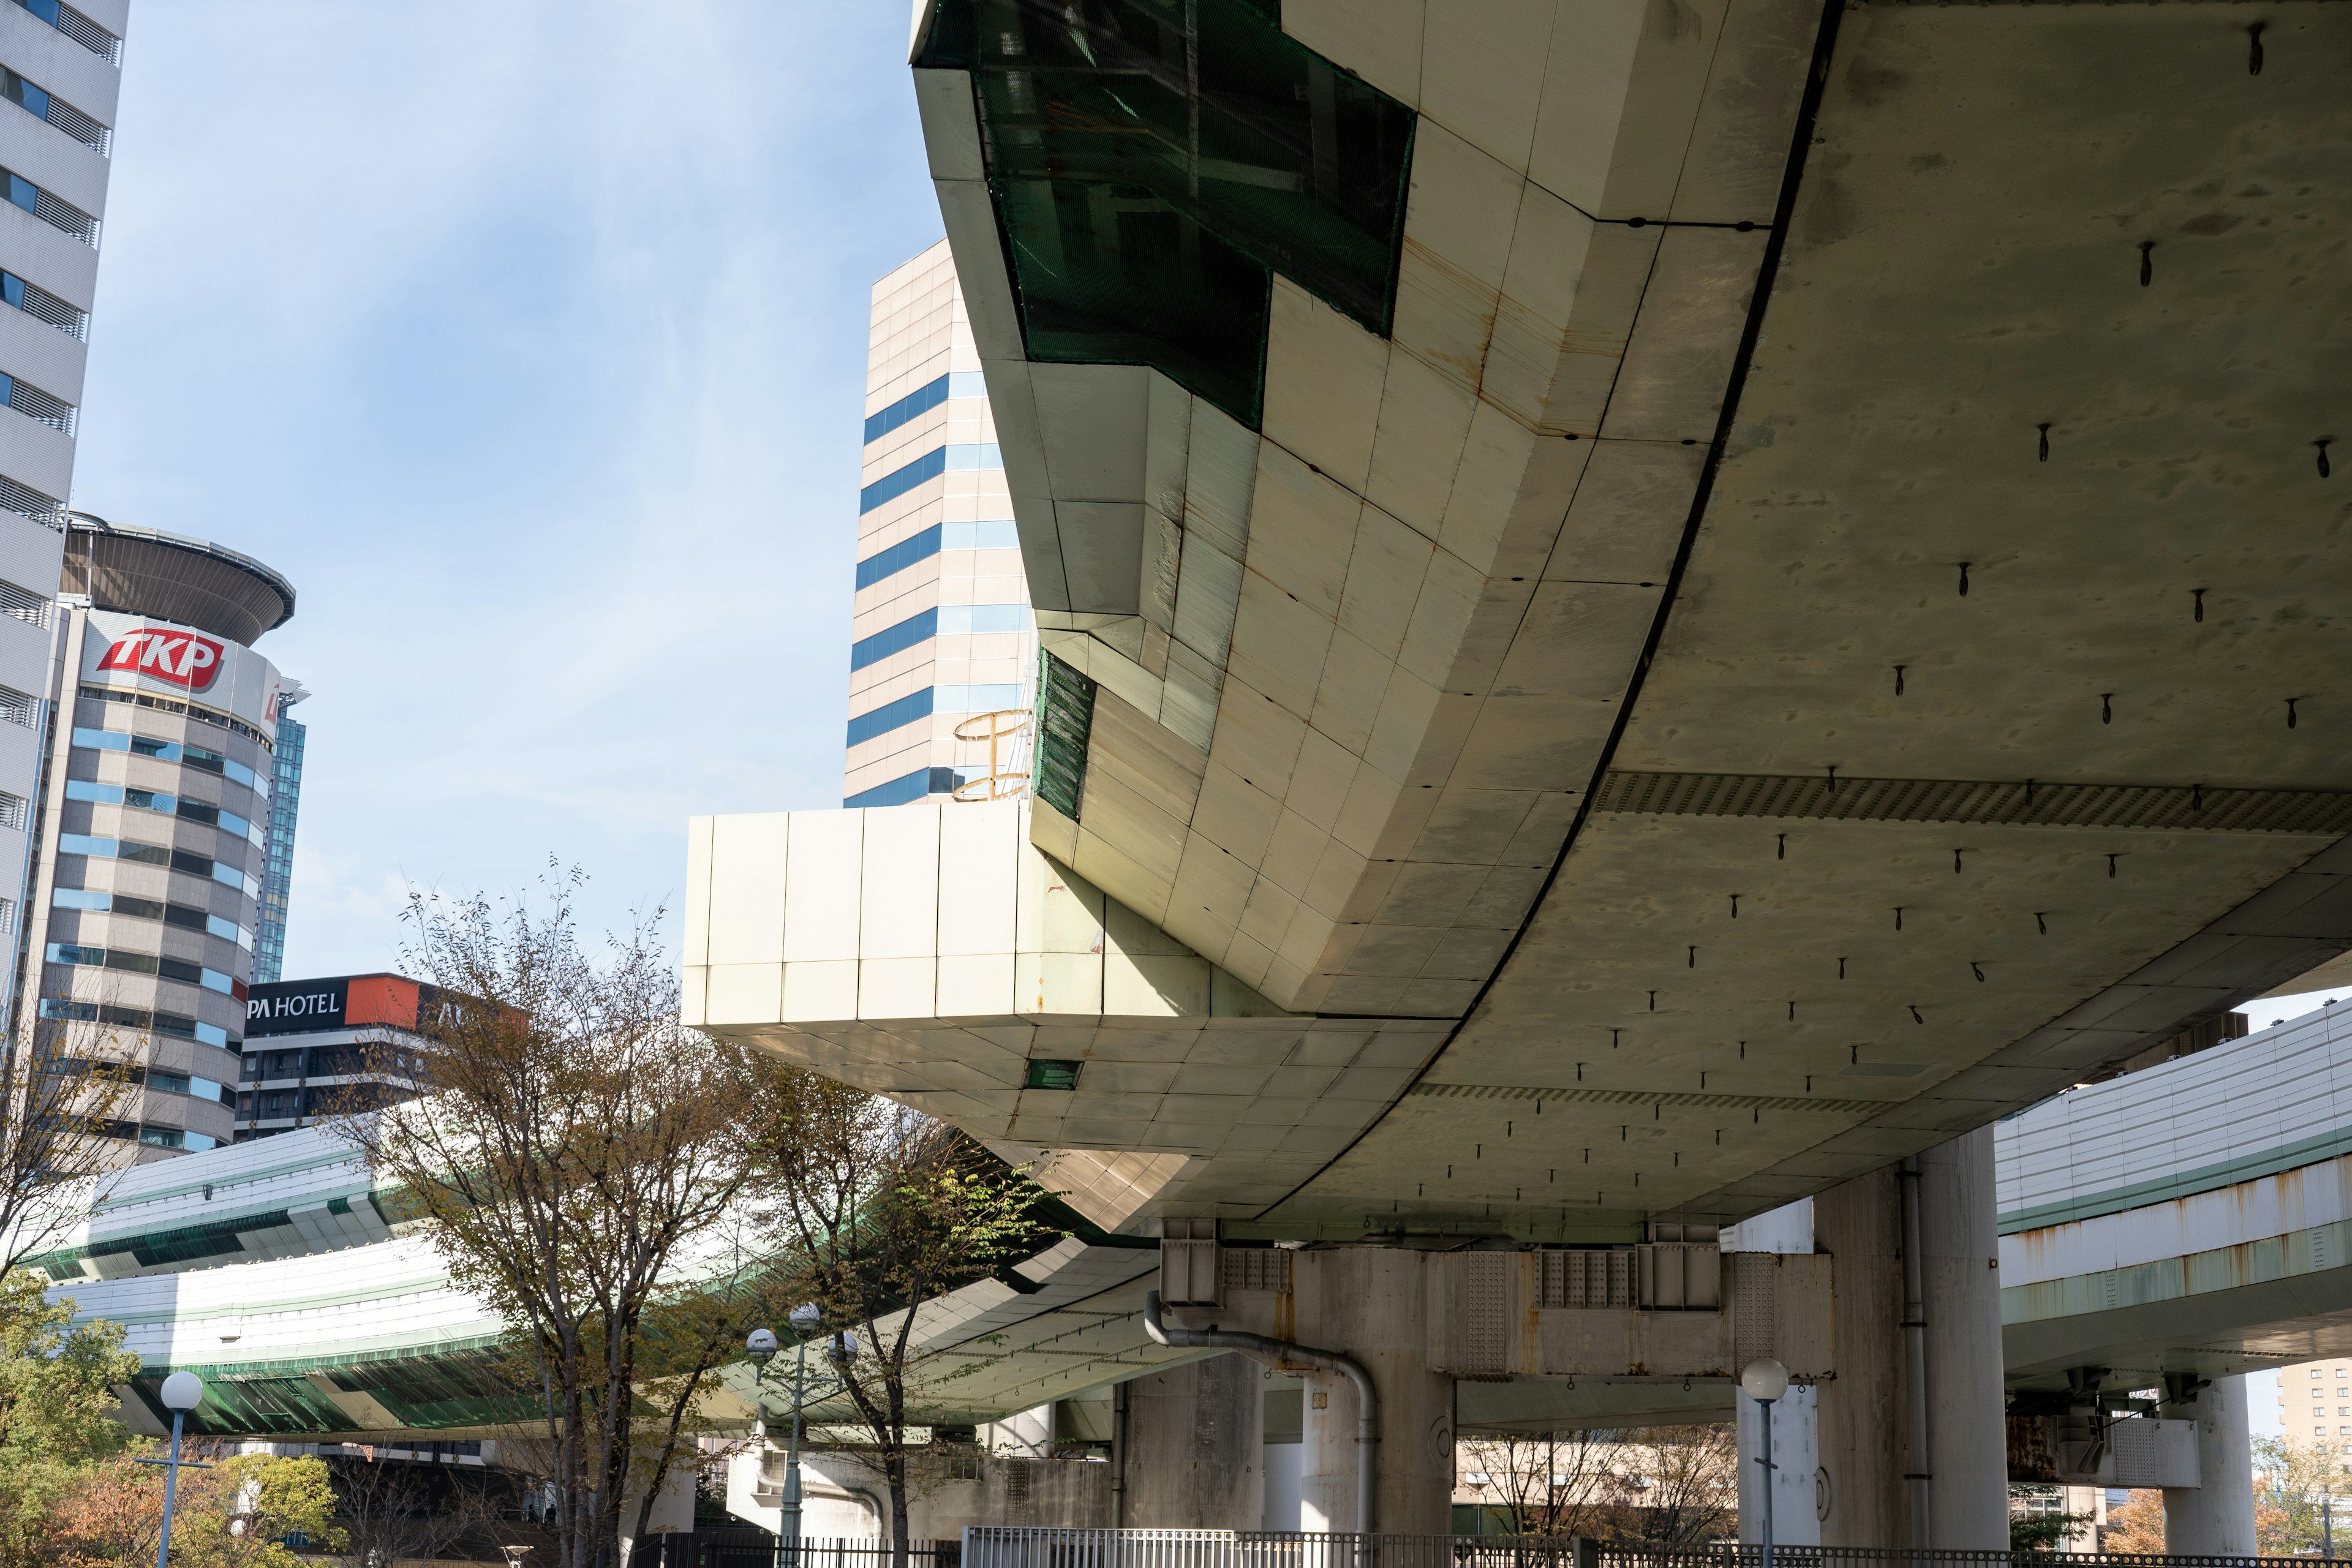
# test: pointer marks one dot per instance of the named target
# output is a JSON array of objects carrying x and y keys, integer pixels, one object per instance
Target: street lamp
[
  {"x": 183, "y": 1391},
  {"x": 762, "y": 1347},
  {"x": 1764, "y": 1380}
]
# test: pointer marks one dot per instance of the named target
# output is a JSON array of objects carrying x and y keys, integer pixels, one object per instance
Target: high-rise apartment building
[
  {"x": 153, "y": 806},
  {"x": 60, "y": 70},
  {"x": 285, "y": 805},
  {"x": 2315, "y": 1406},
  {"x": 942, "y": 631}
]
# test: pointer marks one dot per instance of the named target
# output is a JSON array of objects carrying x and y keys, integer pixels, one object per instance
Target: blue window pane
[
  {"x": 82, "y": 843},
  {"x": 12, "y": 289},
  {"x": 898, "y": 557},
  {"x": 890, "y": 716},
  {"x": 891, "y": 486},
  {"x": 212, "y": 1035},
  {"x": 906, "y": 789},
  {"x": 964, "y": 459},
  {"x": 81, "y": 899},
  {"x": 972, "y": 620},
  {"x": 102, "y": 740},
  {"x": 33, "y": 99},
  {"x": 90, "y": 789},
  {"x": 922, "y": 400},
  {"x": 21, "y": 192},
  {"x": 46, "y": 10},
  {"x": 894, "y": 639}
]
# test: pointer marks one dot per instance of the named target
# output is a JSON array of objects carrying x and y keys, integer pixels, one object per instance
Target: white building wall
[
  {"x": 40, "y": 354},
  {"x": 919, "y": 334}
]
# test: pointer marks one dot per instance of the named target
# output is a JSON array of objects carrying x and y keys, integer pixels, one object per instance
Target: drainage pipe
[
  {"x": 1118, "y": 1456},
  {"x": 1291, "y": 1356},
  {"x": 1915, "y": 1354}
]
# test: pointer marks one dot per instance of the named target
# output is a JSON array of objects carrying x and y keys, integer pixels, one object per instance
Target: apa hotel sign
[{"x": 295, "y": 1007}]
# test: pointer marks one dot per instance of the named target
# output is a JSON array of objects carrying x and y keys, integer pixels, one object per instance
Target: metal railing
[
  {"x": 1730, "y": 1556},
  {"x": 1007, "y": 1547},
  {"x": 864, "y": 1552}
]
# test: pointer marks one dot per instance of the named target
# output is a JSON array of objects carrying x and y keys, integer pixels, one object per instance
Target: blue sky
[{"x": 529, "y": 339}]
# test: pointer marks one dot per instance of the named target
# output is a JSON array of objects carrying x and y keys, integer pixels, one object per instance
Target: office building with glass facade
[
  {"x": 154, "y": 806},
  {"x": 942, "y": 632},
  {"x": 285, "y": 805},
  {"x": 61, "y": 72}
]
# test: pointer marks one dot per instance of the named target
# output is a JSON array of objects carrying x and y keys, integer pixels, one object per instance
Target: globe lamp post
[{"x": 1765, "y": 1381}]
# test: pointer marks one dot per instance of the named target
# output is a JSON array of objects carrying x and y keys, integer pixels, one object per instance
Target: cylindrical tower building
[{"x": 154, "y": 816}]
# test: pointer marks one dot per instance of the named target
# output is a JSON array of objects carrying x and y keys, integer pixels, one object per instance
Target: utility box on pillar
[{"x": 1187, "y": 1262}]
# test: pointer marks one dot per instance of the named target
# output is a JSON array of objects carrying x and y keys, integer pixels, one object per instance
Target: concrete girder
[{"x": 1444, "y": 655}]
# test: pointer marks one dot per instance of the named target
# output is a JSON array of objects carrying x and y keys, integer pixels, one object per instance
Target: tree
[
  {"x": 2038, "y": 1519},
  {"x": 2137, "y": 1526},
  {"x": 878, "y": 1208},
  {"x": 574, "y": 1169},
  {"x": 1556, "y": 1484},
  {"x": 245, "y": 1510},
  {"x": 2290, "y": 1479},
  {"x": 57, "y": 1386},
  {"x": 65, "y": 1078},
  {"x": 396, "y": 1512}
]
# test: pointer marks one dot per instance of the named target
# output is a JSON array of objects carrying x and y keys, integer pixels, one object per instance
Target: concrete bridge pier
[
  {"x": 1369, "y": 1301},
  {"x": 1193, "y": 1446},
  {"x": 2217, "y": 1516},
  {"x": 1796, "y": 1416},
  {"x": 1868, "y": 1462}
]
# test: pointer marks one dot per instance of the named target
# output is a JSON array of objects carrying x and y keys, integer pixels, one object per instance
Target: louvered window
[
  {"x": 34, "y": 404},
  {"x": 28, "y": 607},
  {"x": 43, "y": 306},
  {"x": 26, "y": 502},
  {"x": 78, "y": 27}
]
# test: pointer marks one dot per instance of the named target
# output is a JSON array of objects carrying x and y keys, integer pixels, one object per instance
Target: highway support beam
[
  {"x": 1372, "y": 1302},
  {"x": 1796, "y": 1416},
  {"x": 2216, "y": 1516},
  {"x": 1872, "y": 1468},
  {"x": 1192, "y": 1446}
]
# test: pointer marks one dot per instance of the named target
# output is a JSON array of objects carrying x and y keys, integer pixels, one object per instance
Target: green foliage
[
  {"x": 57, "y": 1386},
  {"x": 2036, "y": 1530},
  {"x": 2291, "y": 1481},
  {"x": 256, "y": 1501}
]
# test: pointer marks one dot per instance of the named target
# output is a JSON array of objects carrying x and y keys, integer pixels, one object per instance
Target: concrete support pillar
[
  {"x": 1366, "y": 1303},
  {"x": 2217, "y": 1516},
  {"x": 1864, "y": 1409},
  {"x": 1193, "y": 1447},
  {"x": 1959, "y": 1258},
  {"x": 1860, "y": 1481},
  {"x": 1795, "y": 1416}
]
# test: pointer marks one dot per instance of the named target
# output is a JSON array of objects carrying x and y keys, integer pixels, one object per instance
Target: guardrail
[{"x": 1009, "y": 1547}]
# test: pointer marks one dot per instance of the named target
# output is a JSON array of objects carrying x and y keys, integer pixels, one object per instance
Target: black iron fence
[{"x": 748, "y": 1546}]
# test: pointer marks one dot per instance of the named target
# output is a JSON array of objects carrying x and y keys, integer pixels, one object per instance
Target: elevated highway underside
[
  {"x": 1801, "y": 616},
  {"x": 2191, "y": 1220}
]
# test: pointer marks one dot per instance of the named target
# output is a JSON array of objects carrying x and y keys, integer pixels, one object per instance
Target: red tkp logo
[{"x": 182, "y": 658}]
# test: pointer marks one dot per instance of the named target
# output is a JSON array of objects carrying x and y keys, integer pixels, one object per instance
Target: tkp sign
[{"x": 182, "y": 658}]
